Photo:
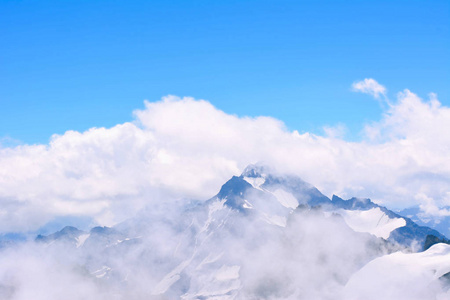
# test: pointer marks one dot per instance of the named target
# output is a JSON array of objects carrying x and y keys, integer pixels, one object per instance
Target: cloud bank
[{"x": 182, "y": 147}]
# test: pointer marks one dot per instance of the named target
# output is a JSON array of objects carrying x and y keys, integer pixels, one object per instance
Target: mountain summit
[{"x": 275, "y": 196}]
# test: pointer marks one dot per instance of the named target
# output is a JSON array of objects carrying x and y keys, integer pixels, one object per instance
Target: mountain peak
[
  {"x": 353, "y": 203},
  {"x": 256, "y": 170}
]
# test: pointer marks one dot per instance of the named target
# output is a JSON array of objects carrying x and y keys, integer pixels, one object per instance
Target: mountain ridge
[{"x": 264, "y": 183}]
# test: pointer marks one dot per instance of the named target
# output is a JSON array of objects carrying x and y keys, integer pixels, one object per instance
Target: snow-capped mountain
[
  {"x": 274, "y": 197},
  {"x": 263, "y": 236}
]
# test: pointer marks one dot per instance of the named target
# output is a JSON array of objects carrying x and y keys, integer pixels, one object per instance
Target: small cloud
[{"x": 369, "y": 86}]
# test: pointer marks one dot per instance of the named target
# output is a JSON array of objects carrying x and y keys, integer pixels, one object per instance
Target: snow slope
[
  {"x": 373, "y": 221},
  {"x": 403, "y": 276}
]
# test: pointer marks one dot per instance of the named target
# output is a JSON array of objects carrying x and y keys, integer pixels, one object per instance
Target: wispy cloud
[
  {"x": 8, "y": 141},
  {"x": 370, "y": 86},
  {"x": 337, "y": 131}
]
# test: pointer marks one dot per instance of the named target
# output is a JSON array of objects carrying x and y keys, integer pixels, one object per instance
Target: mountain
[
  {"x": 274, "y": 196},
  {"x": 400, "y": 229},
  {"x": 68, "y": 234},
  {"x": 440, "y": 223},
  {"x": 263, "y": 236}
]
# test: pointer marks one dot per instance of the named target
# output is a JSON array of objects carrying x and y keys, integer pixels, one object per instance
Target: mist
[{"x": 195, "y": 250}]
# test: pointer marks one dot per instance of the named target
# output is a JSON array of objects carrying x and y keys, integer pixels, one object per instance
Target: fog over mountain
[{"x": 263, "y": 236}]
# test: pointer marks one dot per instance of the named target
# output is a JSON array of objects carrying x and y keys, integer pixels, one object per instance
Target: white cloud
[
  {"x": 369, "y": 86},
  {"x": 429, "y": 208},
  {"x": 182, "y": 147}
]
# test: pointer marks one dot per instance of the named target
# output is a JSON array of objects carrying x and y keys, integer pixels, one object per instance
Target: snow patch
[
  {"x": 286, "y": 199},
  {"x": 247, "y": 205},
  {"x": 228, "y": 273},
  {"x": 170, "y": 278},
  {"x": 211, "y": 258},
  {"x": 213, "y": 207},
  {"x": 275, "y": 220},
  {"x": 256, "y": 182},
  {"x": 81, "y": 239},
  {"x": 100, "y": 273},
  {"x": 217, "y": 205},
  {"x": 373, "y": 221}
]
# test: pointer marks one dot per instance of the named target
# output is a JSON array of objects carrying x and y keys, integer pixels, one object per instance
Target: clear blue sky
[{"x": 78, "y": 64}]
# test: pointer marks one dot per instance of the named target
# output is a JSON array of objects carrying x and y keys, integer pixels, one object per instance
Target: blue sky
[{"x": 79, "y": 64}]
